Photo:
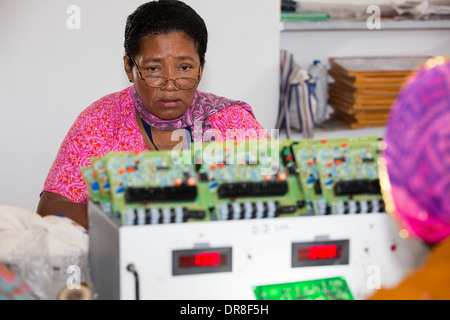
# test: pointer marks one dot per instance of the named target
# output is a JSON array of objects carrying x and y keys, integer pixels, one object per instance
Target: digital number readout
[
  {"x": 320, "y": 253},
  {"x": 204, "y": 259},
  {"x": 193, "y": 261}
]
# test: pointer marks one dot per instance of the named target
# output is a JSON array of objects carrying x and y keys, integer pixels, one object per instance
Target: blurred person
[{"x": 415, "y": 178}]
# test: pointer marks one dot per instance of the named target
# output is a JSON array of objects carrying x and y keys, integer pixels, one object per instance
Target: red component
[
  {"x": 313, "y": 252},
  {"x": 198, "y": 259},
  {"x": 318, "y": 252},
  {"x": 323, "y": 252},
  {"x": 215, "y": 258},
  {"x": 281, "y": 176},
  {"x": 332, "y": 250},
  {"x": 205, "y": 259}
]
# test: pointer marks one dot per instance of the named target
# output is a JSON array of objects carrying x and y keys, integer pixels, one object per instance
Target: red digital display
[
  {"x": 320, "y": 253},
  {"x": 203, "y": 259},
  {"x": 323, "y": 251},
  {"x": 194, "y": 261}
]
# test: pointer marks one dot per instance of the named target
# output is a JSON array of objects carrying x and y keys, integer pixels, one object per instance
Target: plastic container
[{"x": 318, "y": 71}]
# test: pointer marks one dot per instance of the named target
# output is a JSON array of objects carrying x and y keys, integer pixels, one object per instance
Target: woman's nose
[{"x": 169, "y": 85}]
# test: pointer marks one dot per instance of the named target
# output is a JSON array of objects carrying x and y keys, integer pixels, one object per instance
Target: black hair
[{"x": 164, "y": 17}]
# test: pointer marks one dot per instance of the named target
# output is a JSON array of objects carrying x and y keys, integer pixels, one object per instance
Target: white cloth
[
  {"x": 19, "y": 228},
  {"x": 43, "y": 249},
  {"x": 297, "y": 105}
]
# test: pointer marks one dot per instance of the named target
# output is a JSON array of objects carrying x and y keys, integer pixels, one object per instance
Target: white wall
[{"x": 50, "y": 73}]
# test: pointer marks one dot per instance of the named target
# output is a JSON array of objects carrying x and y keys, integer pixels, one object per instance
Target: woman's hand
[{"x": 52, "y": 203}]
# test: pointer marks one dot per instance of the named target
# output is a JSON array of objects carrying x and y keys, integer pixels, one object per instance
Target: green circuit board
[
  {"x": 315, "y": 169},
  {"x": 318, "y": 289},
  {"x": 308, "y": 174},
  {"x": 211, "y": 181},
  {"x": 232, "y": 180},
  {"x": 101, "y": 188},
  {"x": 349, "y": 176}
]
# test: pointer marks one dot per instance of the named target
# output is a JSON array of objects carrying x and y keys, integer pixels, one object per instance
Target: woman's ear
[
  {"x": 128, "y": 68},
  {"x": 200, "y": 73}
]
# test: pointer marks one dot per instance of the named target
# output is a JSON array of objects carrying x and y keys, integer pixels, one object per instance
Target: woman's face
[{"x": 171, "y": 56}]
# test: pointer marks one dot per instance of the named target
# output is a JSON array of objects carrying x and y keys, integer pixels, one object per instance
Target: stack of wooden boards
[{"x": 365, "y": 88}]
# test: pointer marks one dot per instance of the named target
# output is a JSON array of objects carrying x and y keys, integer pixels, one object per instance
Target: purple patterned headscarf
[
  {"x": 203, "y": 106},
  {"x": 418, "y": 152}
]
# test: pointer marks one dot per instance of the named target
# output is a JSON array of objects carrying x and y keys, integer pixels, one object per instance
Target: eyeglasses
[{"x": 183, "y": 83}]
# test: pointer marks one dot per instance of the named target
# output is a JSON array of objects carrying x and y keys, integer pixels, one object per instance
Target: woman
[
  {"x": 165, "y": 47},
  {"x": 415, "y": 177}
]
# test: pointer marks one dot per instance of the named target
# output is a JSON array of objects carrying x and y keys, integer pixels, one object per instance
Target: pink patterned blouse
[{"x": 109, "y": 124}]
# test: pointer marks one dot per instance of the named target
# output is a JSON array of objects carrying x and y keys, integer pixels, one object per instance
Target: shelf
[
  {"x": 331, "y": 128},
  {"x": 386, "y": 24}
]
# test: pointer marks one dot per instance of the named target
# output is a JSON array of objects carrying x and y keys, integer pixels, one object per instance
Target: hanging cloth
[{"x": 297, "y": 106}]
